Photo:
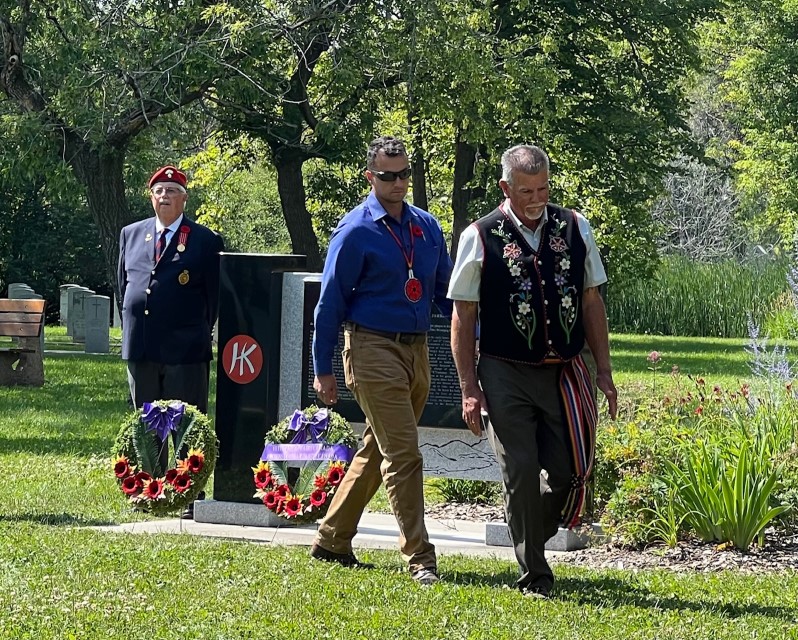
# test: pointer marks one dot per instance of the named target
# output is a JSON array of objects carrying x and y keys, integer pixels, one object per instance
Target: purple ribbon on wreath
[
  {"x": 162, "y": 419},
  {"x": 308, "y": 429}
]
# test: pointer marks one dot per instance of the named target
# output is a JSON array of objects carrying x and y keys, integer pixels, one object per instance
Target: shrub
[{"x": 468, "y": 491}]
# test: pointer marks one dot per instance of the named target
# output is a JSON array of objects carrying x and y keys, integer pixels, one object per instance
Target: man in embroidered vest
[
  {"x": 528, "y": 275},
  {"x": 169, "y": 283},
  {"x": 387, "y": 263}
]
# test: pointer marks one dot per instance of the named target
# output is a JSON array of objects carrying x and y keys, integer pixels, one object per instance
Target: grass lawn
[{"x": 61, "y": 580}]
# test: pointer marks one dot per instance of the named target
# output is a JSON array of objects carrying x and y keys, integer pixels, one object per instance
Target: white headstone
[
  {"x": 63, "y": 307},
  {"x": 97, "y": 311},
  {"x": 77, "y": 314},
  {"x": 71, "y": 293},
  {"x": 17, "y": 291}
]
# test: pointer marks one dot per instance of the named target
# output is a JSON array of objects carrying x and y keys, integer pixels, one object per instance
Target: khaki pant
[
  {"x": 528, "y": 433},
  {"x": 390, "y": 382}
]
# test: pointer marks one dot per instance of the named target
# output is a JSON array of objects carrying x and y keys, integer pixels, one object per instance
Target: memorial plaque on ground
[{"x": 443, "y": 406}]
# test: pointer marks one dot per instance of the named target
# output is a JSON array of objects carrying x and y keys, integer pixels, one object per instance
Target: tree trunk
[
  {"x": 418, "y": 161},
  {"x": 465, "y": 157},
  {"x": 101, "y": 172},
  {"x": 291, "y": 187}
]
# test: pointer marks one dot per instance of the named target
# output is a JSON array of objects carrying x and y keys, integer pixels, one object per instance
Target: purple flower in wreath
[
  {"x": 512, "y": 250},
  {"x": 308, "y": 429},
  {"x": 162, "y": 419}
]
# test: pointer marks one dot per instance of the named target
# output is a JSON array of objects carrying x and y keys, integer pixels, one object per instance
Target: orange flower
[{"x": 320, "y": 481}]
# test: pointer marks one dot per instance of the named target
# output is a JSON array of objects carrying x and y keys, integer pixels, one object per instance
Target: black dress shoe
[{"x": 344, "y": 559}]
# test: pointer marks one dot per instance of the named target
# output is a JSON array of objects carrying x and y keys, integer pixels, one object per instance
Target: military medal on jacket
[
  {"x": 182, "y": 241},
  {"x": 183, "y": 277},
  {"x": 413, "y": 289}
]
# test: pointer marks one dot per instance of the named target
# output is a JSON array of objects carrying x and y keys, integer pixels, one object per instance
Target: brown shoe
[{"x": 344, "y": 559}]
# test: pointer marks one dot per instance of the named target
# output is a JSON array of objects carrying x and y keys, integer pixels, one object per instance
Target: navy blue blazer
[{"x": 168, "y": 308}]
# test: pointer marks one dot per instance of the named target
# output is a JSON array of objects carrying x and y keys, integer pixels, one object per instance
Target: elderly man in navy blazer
[{"x": 169, "y": 283}]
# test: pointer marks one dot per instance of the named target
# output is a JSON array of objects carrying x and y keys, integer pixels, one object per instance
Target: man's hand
[
  {"x": 474, "y": 406},
  {"x": 607, "y": 386},
  {"x": 326, "y": 388}
]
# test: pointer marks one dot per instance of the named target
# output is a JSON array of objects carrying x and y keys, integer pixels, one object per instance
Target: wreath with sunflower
[
  {"x": 304, "y": 460},
  {"x": 187, "y": 432}
]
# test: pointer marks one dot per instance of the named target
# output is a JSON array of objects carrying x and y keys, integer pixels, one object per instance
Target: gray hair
[
  {"x": 525, "y": 158},
  {"x": 389, "y": 145}
]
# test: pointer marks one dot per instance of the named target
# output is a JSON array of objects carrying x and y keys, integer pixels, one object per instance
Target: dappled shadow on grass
[
  {"x": 603, "y": 590},
  {"x": 55, "y": 519}
]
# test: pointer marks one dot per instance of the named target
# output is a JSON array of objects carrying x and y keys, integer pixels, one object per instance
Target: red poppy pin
[{"x": 417, "y": 231}]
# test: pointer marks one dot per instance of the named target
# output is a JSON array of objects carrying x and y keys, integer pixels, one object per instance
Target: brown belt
[{"x": 403, "y": 338}]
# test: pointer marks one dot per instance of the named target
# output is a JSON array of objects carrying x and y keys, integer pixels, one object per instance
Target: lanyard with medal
[{"x": 413, "y": 288}]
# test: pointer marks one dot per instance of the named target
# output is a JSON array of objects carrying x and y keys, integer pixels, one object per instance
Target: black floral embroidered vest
[{"x": 530, "y": 307}]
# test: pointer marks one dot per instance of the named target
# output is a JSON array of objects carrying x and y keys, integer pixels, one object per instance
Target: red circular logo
[{"x": 242, "y": 359}]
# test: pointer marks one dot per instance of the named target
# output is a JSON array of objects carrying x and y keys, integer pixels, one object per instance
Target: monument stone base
[
  {"x": 239, "y": 513},
  {"x": 497, "y": 534}
]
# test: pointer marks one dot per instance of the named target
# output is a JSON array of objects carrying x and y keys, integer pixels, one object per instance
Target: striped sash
[{"x": 581, "y": 417}]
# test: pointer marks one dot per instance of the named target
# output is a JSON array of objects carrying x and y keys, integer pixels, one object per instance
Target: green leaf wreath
[
  {"x": 306, "y": 497},
  {"x": 136, "y": 461}
]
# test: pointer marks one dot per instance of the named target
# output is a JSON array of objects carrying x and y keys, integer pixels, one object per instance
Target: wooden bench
[{"x": 21, "y": 363}]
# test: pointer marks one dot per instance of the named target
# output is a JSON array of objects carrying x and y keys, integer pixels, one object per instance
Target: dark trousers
[
  {"x": 150, "y": 381},
  {"x": 528, "y": 434}
]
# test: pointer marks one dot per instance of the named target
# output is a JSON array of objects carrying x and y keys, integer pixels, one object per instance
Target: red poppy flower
[
  {"x": 181, "y": 483},
  {"x": 170, "y": 476},
  {"x": 271, "y": 500},
  {"x": 185, "y": 229},
  {"x": 320, "y": 481},
  {"x": 416, "y": 230},
  {"x": 131, "y": 486},
  {"x": 143, "y": 476},
  {"x": 194, "y": 464},
  {"x": 335, "y": 475},
  {"x": 292, "y": 505},
  {"x": 263, "y": 479},
  {"x": 121, "y": 467},
  {"x": 153, "y": 489},
  {"x": 282, "y": 491},
  {"x": 318, "y": 498}
]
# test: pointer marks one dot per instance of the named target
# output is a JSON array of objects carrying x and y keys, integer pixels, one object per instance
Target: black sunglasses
[{"x": 391, "y": 176}]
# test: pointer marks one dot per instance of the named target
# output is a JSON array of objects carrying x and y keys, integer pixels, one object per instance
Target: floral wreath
[
  {"x": 325, "y": 442},
  {"x": 136, "y": 461}
]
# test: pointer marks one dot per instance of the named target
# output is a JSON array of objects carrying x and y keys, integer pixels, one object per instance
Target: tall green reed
[{"x": 698, "y": 299}]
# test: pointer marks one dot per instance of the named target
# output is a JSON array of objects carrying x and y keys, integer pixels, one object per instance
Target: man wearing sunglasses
[
  {"x": 386, "y": 264},
  {"x": 169, "y": 283}
]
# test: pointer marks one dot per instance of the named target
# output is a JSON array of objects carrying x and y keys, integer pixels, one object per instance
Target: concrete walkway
[{"x": 376, "y": 531}]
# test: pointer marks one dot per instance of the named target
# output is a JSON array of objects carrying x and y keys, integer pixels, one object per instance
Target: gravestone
[
  {"x": 19, "y": 291},
  {"x": 77, "y": 314},
  {"x": 63, "y": 300},
  {"x": 71, "y": 293},
  {"x": 117, "y": 318},
  {"x": 97, "y": 312}
]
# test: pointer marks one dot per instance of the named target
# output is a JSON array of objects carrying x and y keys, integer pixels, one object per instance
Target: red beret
[{"x": 168, "y": 174}]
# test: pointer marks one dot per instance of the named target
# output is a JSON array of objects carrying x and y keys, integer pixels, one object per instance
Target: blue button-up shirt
[{"x": 365, "y": 274}]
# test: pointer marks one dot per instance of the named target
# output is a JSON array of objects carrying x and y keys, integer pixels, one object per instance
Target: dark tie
[{"x": 159, "y": 248}]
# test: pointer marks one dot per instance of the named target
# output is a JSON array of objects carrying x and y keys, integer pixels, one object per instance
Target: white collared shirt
[
  {"x": 172, "y": 229},
  {"x": 467, "y": 275}
]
